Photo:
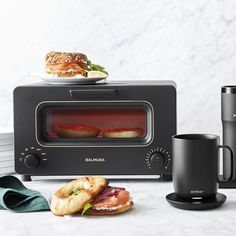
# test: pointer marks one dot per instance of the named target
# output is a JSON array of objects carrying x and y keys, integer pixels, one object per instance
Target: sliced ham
[
  {"x": 106, "y": 203},
  {"x": 111, "y": 197}
]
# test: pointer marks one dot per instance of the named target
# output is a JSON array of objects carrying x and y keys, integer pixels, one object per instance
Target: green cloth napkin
[{"x": 16, "y": 197}]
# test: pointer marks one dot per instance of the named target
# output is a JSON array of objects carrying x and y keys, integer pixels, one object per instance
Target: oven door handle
[{"x": 93, "y": 93}]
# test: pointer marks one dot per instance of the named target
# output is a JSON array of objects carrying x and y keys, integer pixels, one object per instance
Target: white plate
[
  {"x": 6, "y": 143},
  {"x": 6, "y": 150},
  {"x": 10, "y": 165},
  {"x": 6, "y": 136},
  {"x": 6, "y": 158},
  {"x": 54, "y": 79},
  {"x": 7, "y": 155},
  {"x": 7, "y": 167},
  {"x": 8, "y": 170},
  {"x": 6, "y": 164},
  {"x": 6, "y": 130}
]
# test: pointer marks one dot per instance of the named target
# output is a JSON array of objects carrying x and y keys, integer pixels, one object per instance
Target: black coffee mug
[{"x": 196, "y": 165}]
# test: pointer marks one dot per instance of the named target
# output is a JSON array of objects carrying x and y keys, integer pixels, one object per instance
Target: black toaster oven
[{"x": 121, "y": 129}]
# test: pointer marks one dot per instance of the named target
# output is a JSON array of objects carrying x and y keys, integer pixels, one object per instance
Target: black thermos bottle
[{"x": 228, "y": 116}]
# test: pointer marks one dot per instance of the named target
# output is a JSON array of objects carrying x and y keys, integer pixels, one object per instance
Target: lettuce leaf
[
  {"x": 95, "y": 67},
  {"x": 76, "y": 191},
  {"x": 87, "y": 206}
]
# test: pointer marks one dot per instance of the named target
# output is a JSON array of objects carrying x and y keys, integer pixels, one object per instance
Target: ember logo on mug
[
  {"x": 197, "y": 191},
  {"x": 196, "y": 165}
]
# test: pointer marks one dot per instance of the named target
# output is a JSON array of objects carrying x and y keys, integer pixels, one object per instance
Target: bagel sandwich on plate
[
  {"x": 69, "y": 64},
  {"x": 90, "y": 196}
]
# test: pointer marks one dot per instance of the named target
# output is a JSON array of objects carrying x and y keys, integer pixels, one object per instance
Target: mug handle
[{"x": 224, "y": 180}]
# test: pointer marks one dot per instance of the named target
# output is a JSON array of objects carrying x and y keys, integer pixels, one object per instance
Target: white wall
[{"x": 191, "y": 42}]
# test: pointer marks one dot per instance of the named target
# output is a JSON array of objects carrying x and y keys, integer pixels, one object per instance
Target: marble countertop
[{"x": 152, "y": 215}]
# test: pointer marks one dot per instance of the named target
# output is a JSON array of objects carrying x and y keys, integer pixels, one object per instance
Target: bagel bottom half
[
  {"x": 72, "y": 197},
  {"x": 62, "y": 73},
  {"x": 122, "y": 133},
  {"x": 115, "y": 211}
]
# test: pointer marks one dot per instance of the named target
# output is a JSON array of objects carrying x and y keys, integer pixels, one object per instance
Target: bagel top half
[
  {"x": 72, "y": 197},
  {"x": 58, "y": 58},
  {"x": 66, "y": 64}
]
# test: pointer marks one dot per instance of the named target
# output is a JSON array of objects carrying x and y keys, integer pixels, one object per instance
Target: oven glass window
[{"x": 95, "y": 123}]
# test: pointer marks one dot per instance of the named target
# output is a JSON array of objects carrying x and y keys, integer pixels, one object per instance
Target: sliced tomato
[
  {"x": 75, "y": 127},
  {"x": 123, "y": 197},
  {"x": 67, "y": 66},
  {"x": 123, "y": 130},
  {"x": 64, "y": 66}
]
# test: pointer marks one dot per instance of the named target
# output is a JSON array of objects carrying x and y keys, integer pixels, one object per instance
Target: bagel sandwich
[
  {"x": 112, "y": 201},
  {"x": 123, "y": 133},
  {"x": 69, "y": 64},
  {"x": 90, "y": 196},
  {"x": 76, "y": 131}
]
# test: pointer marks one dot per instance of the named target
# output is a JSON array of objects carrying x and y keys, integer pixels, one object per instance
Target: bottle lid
[{"x": 229, "y": 89}]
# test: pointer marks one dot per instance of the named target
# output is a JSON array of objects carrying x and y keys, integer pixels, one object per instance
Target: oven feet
[
  {"x": 26, "y": 178},
  {"x": 166, "y": 177}
]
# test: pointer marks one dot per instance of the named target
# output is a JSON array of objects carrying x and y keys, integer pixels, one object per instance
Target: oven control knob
[
  {"x": 157, "y": 159},
  {"x": 31, "y": 161}
]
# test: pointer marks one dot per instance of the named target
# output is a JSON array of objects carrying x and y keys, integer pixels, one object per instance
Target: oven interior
[{"x": 100, "y": 123}]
